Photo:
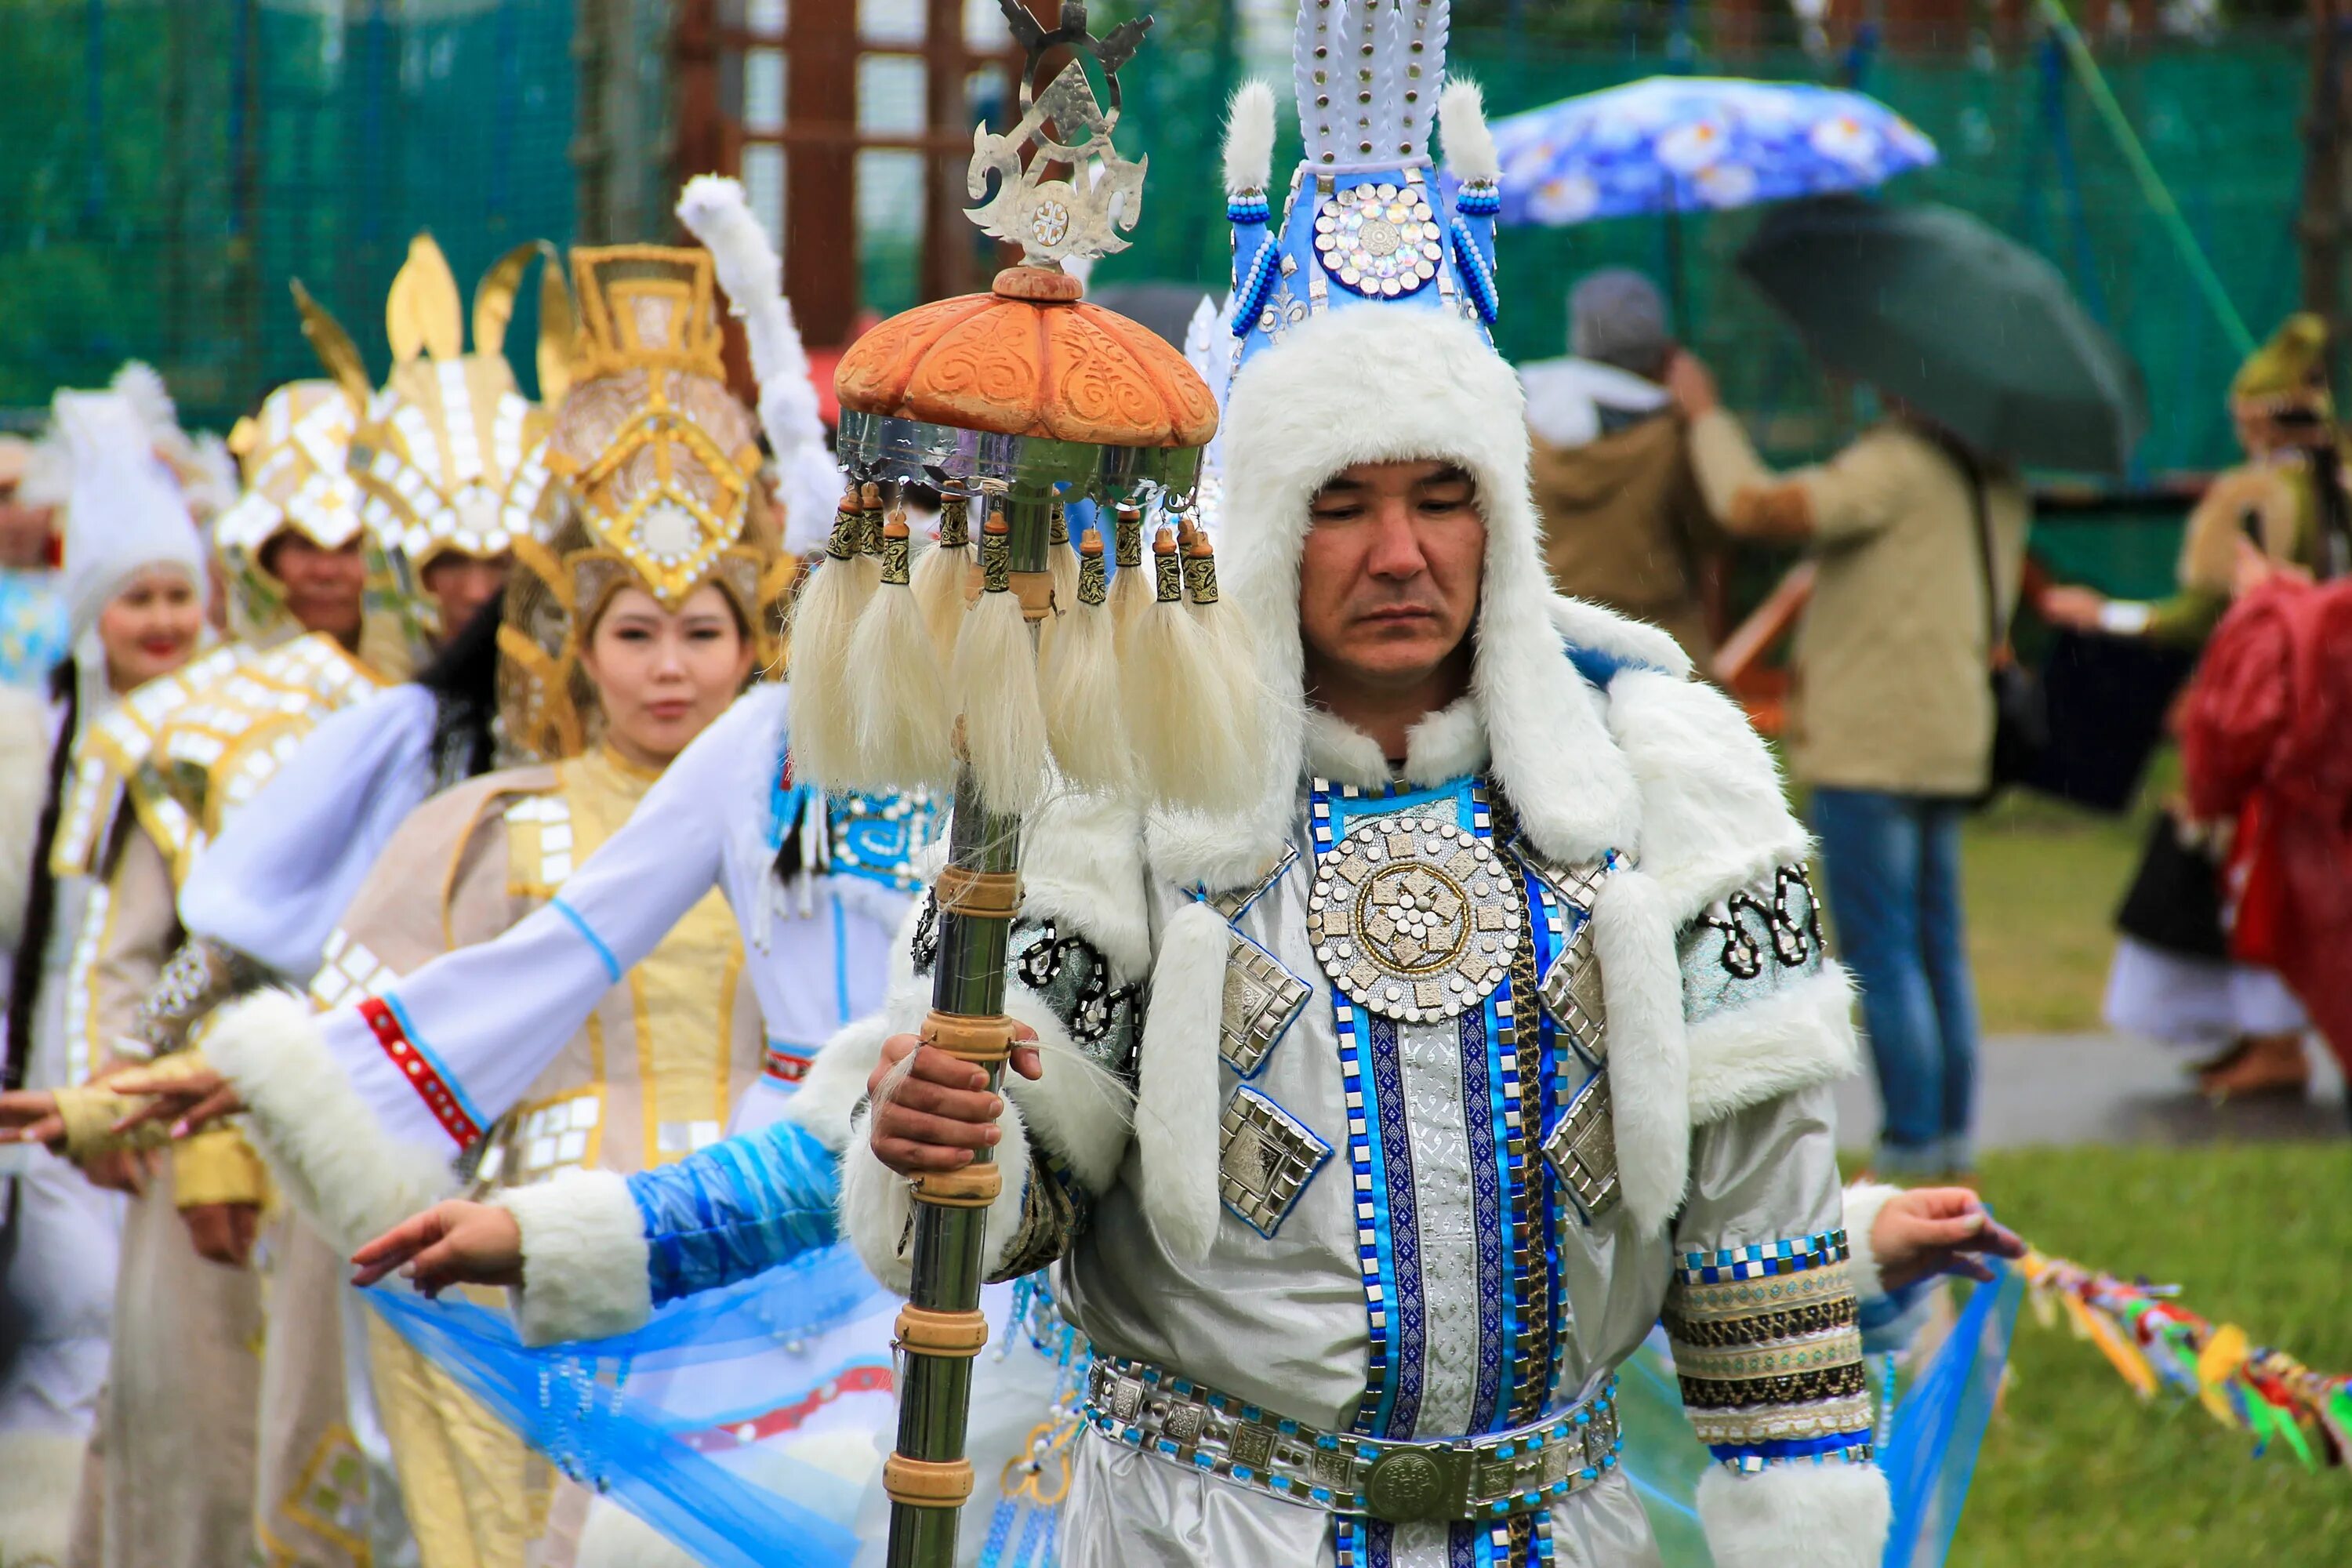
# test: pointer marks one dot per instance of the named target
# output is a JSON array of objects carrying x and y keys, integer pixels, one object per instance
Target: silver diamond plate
[
  {"x": 1262, "y": 997},
  {"x": 1268, "y": 1157},
  {"x": 1582, "y": 1149}
]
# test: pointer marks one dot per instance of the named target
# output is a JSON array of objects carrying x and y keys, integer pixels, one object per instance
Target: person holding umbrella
[
  {"x": 1983, "y": 360},
  {"x": 1890, "y": 723}
]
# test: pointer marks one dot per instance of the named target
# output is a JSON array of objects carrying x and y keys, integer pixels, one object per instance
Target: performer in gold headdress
[{"x": 652, "y": 603}]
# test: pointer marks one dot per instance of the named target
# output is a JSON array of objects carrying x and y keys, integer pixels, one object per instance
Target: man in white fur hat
[{"x": 1500, "y": 1028}]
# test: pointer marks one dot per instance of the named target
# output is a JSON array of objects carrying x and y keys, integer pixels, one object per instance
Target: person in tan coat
[
  {"x": 1625, "y": 522},
  {"x": 1891, "y": 721}
]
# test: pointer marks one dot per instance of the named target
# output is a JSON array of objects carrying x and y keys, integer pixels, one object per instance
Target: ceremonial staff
[{"x": 1001, "y": 661}]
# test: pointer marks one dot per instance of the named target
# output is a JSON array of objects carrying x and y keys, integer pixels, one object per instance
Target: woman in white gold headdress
[{"x": 134, "y": 584}]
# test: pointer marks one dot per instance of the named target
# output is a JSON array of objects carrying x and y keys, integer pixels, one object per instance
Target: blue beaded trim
[
  {"x": 1256, "y": 285},
  {"x": 1751, "y": 1459},
  {"x": 1252, "y": 206},
  {"x": 1759, "y": 1259},
  {"x": 1478, "y": 273},
  {"x": 1479, "y": 198}
]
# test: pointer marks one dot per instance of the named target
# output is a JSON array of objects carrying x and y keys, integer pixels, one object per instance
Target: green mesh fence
[
  {"x": 171, "y": 164},
  {"x": 2021, "y": 150}
]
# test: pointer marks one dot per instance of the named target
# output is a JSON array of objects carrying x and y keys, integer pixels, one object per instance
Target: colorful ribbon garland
[{"x": 2156, "y": 1343}]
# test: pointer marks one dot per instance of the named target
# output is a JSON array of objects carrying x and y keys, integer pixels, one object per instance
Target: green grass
[
  {"x": 2075, "y": 1468},
  {"x": 2042, "y": 882}
]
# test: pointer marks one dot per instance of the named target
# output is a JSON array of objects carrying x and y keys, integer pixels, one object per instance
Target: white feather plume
[
  {"x": 715, "y": 212},
  {"x": 1249, "y": 137},
  {"x": 1469, "y": 145}
]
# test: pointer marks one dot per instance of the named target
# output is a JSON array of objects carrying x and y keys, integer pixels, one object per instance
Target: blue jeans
[{"x": 1892, "y": 865}]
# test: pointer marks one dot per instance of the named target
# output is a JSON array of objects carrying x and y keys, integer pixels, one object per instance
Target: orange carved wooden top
[{"x": 1064, "y": 370}]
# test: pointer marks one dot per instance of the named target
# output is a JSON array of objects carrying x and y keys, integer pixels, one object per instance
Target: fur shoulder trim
[
  {"x": 1800, "y": 1038},
  {"x": 585, "y": 1259},
  {"x": 1082, "y": 866},
  {"x": 23, "y": 788},
  {"x": 1590, "y": 626},
  {"x": 327, "y": 1151},
  {"x": 1713, "y": 815},
  {"x": 1820, "y": 1515}
]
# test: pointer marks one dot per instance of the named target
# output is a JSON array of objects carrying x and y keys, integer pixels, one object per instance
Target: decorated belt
[{"x": 1483, "y": 1478}]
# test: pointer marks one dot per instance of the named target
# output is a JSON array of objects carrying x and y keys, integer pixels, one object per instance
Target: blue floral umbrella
[{"x": 1691, "y": 144}]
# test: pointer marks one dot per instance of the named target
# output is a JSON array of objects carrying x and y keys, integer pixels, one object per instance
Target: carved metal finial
[{"x": 1080, "y": 216}]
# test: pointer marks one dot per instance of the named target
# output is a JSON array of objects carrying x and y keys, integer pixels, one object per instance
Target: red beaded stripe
[
  {"x": 419, "y": 1072},
  {"x": 786, "y": 1418},
  {"x": 786, "y": 1066}
]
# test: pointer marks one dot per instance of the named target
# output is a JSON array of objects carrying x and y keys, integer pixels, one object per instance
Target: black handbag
[{"x": 2020, "y": 709}]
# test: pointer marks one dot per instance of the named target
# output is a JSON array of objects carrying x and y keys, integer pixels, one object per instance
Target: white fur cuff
[
  {"x": 1798, "y": 1038},
  {"x": 878, "y": 1204},
  {"x": 1801, "y": 1515},
  {"x": 585, "y": 1259},
  {"x": 334, "y": 1159},
  {"x": 1863, "y": 1200}
]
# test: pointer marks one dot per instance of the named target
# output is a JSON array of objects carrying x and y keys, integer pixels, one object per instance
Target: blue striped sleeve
[{"x": 736, "y": 1208}]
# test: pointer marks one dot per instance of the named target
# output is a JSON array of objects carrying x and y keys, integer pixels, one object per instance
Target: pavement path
[{"x": 2109, "y": 1088}]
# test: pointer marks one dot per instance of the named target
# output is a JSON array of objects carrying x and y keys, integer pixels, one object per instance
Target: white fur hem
[
  {"x": 878, "y": 1204},
  {"x": 1649, "y": 1062},
  {"x": 1800, "y": 1038},
  {"x": 40, "y": 1480},
  {"x": 1798, "y": 1515},
  {"x": 1863, "y": 1200},
  {"x": 327, "y": 1149},
  {"x": 584, "y": 1263}
]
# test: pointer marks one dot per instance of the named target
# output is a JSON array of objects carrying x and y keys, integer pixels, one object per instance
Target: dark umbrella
[{"x": 1976, "y": 332}]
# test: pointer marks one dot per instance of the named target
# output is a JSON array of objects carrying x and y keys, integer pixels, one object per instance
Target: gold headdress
[
  {"x": 659, "y": 464},
  {"x": 450, "y": 456},
  {"x": 292, "y": 456},
  {"x": 2283, "y": 384}
]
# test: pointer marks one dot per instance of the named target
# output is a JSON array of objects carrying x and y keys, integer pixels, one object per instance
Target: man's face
[
  {"x": 462, "y": 585},
  {"x": 323, "y": 587},
  {"x": 1387, "y": 584}
]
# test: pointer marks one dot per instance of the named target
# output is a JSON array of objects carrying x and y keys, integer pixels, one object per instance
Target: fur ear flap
[
  {"x": 1649, "y": 1058},
  {"x": 1180, "y": 1095}
]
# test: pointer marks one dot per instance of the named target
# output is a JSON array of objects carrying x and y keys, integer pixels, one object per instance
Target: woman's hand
[
  {"x": 1927, "y": 1231},
  {"x": 30, "y": 1116},
  {"x": 932, "y": 1113},
  {"x": 189, "y": 1100},
  {"x": 452, "y": 1243}
]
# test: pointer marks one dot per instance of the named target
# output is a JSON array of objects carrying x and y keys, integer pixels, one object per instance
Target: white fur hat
[{"x": 126, "y": 511}]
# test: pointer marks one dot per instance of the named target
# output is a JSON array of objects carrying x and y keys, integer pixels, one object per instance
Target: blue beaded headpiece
[{"x": 1366, "y": 222}]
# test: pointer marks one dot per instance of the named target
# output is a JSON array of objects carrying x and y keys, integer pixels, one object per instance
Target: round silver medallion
[
  {"x": 1414, "y": 918},
  {"x": 1379, "y": 240}
]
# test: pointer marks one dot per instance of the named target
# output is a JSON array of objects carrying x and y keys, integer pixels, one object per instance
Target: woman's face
[
  {"x": 663, "y": 676},
  {"x": 151, "y": 628}
]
